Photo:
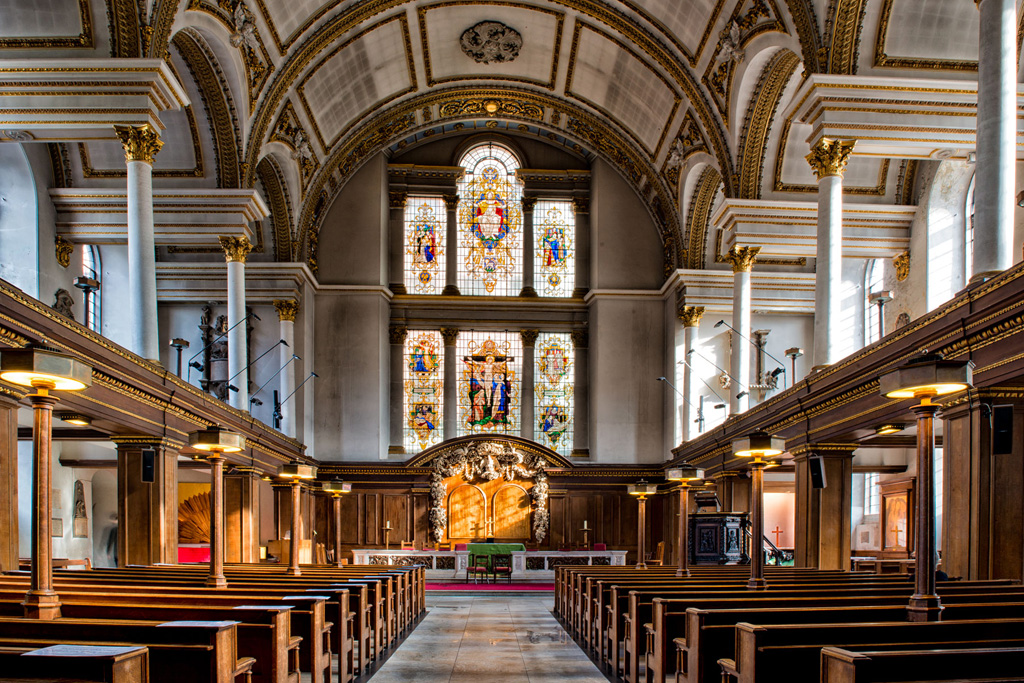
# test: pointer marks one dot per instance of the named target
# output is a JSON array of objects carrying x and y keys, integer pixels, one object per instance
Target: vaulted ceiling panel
[
  {"x": 608, "y": 76},
  {"x": 21, "y": 21},
  {"x": 364, "y": 72},
  {"x": 936, "y": 31},
  {"x": 288, "y": 19},
  {"x": 443, "y": 24},
  {"x": 691, "y": 22}
]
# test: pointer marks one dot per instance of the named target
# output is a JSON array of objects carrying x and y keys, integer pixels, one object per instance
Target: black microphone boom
[
  {"x": 759, "y": 348},
  {"x": 710, "y": 388},
  {"x": 256, "y": 401},
  {"x": 199, "y": 366},
  {"x": 740, "y": 384},
  {"x": 255, "y": 360}
]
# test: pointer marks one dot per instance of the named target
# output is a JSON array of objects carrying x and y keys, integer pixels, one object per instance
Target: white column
[
  {"x": 690, "y": 316},
  {"x": 451, "y": 393},
  {"x": 236, "y": 250},
  {"x": 141, "y": 144},
  {"x": 527, "y": 428},
  {"x": 995, "y": 184},
  {"x": 287, "y": 311},
  {"x": 742, "y": 259},
  {"x": 396, "y": 242},
  {"x": 528, "y": 248},
  {"x": 581, "y": 394},
  {"x": 396, "y": 337},
  {"x": 451, "y": 245},
  {"x": 828, "y": 160}
]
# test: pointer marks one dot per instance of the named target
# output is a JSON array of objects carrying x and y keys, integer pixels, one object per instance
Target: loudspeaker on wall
[{"x": 816, "y": 467}]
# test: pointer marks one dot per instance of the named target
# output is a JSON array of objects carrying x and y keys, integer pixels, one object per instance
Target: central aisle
[{"x": 489, "y": 639}]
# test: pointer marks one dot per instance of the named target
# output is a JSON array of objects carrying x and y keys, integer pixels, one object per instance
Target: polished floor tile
[{"x": 510, "y": 638}]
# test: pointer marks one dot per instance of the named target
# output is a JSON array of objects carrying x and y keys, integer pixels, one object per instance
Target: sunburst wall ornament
[{"x": 491, "y": 41}]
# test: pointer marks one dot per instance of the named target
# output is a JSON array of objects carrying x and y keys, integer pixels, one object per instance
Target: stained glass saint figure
[{"x": 423, "y": 389}]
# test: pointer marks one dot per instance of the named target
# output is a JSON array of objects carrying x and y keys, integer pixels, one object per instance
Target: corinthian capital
[
  {"x": 742, "y": 258},
  {"x": 829, "y": 157},
  {"x": 691, "y": 315},
  {"x": 235, "y": 248},
  {"x": 141, "y": 143},
  {"x": 287, "y": 309}
]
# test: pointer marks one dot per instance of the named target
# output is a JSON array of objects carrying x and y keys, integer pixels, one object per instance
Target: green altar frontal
[{"x": 489, "y": 549}]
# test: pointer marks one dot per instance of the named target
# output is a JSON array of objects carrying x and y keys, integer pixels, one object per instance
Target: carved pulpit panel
[
  {"x": 511, "y": 509},
  {"x": 467, "y": 512}
]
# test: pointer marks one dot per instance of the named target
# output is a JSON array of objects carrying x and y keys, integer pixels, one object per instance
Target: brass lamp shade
[
  {"x": 44, "y": 367},
  {"x": 687, "y": 474},
  {"x": 74, "y": 419},
  {"x": 336, "y": 486},
  {"x": 890, "y": 428},
  {"x": 758, "y": 445},
  {"x": 642, "y": 488},
  {"x": 216, "y": 439},
  {"x": 298, "y": 470},
  {"x": 928, "y": 375}
]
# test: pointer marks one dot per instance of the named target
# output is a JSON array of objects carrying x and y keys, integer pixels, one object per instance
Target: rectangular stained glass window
[
  {"x": 426, "y": 223},
  {"x": 489, "y": 365},
  {"x": 554, "y": 366},
  {"x": 424, "y": 390},
  {"x": 554, "y": 242}
]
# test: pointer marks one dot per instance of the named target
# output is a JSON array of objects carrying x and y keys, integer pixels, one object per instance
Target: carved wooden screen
[
  {"x": 467, "y": 512},
  {"x": 511, "y": 509}
]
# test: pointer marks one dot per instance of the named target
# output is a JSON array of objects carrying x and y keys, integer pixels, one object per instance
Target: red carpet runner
[{"x": 461, "y": 586}]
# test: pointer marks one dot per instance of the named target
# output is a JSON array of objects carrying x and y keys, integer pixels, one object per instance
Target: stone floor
[{"x": 489, "y": 639}]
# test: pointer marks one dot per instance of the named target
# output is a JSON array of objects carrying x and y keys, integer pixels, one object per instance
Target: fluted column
[
  {"x": 528, "y": 428},
  {"x": 287, "y": 311},
  {"x": 828, "y": 159},
  {"x": 742, "y": 260},
  {"x": 396, "y": 336},
  {"x": 141, "y": 144},
  {"x": 994, "y": 185},
  {"x": 396, "y": 242},
  {"x": 236, "y": 250},
  {"x": 528, "y": 248},
  {"x": 581, "y": 209},
  {"x": 581, "y": 395},
  {"x": 451, "y": 245},
  {"x": 690, "y": 317},
  {"x": 451, "y": 389}
]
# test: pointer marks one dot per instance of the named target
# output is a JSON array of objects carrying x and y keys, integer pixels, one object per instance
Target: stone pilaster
[
  {"x": 581, "y": 395},
  {"x": 581, "y": 209},
  {"x": 147, "y": 512},
  {"x": 451, "y": 388},
  {"x": 527, "y": 428},
  {"x": 451, "y": 245},
  {"x": 529, "y": 254},
  {"x": 396, "y": 242},
  {"x": 396, "y": 433}
]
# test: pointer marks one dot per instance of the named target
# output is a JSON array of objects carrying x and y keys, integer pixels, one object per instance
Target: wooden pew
[
  {"x": 98, "y": 664},
  {"x": 994, "y": 665}
]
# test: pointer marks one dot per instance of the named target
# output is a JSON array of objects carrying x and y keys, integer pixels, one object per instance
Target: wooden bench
[
  {"x": 963, "y": 666},
  {"x": 96, "y": 664}
]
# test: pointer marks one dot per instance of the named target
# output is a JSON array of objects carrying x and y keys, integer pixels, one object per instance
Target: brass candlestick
[{"x": 387, "y": 532}]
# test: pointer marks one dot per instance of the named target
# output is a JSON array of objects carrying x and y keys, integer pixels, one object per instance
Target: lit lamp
[
  {"x": 688, "y": 478},
  {"x": 641, "y": 490},
  {"x": 214, "y": 442},
  {"x": 297, "y": 472},
  {"x": 337, "y": 488},
  {"x": 76, "y": 419},
  {"x": 758, "y": 445},
  {"x": 924, "y": 378},
  {"x": 889, "y": 428},
  {"x": 45, "y": 371}
]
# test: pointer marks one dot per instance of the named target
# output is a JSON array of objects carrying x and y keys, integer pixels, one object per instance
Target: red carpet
[{"x": 490, "y": 586}]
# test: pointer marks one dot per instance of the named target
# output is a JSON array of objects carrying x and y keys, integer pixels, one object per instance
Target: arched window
[
  {"x": 490, "y": 223},
  {"x": 872, "y": 283},
  {"x": 91, "y": 270}
]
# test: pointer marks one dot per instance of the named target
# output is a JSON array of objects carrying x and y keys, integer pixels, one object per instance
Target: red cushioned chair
[
  {"x": 477, "y": 567},
  {"x": 600, "y": 546},
  {"x": 501, "y": 565}
]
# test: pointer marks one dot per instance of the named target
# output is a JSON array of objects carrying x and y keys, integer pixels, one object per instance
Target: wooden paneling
[
  {"x": 396, "y": 511},
  {"x": 350, "y": 518},
  {"x": 9, "y": 485}
]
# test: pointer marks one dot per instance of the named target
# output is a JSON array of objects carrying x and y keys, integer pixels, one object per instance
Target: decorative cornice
[
  {"x": 287, "y": 309},
  {"x": 901, "y": 263},
  {"x": 396, "y": 199},
  {"x": 146, "y": 440},
  {"x": 742, "y": 258},
  {"x": 450, "y": 335},
  {"x": 63, "y": 250},
  {"x": 844, "y": 27},
  {"x": 529, "y": 337},
  {"x": 758, "y": 125},
  {"x": 825, "y": 449},
  {"x": 235, "y": 248},
  {"x": 141, "y": 143},
  {"x": 691, "y": 315},
  {"x": 397, "y": 334},
  {"x": 829, "y": 157}
]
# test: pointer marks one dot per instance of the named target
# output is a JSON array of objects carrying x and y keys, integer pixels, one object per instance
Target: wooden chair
[
  {"x": 477, "y": 567},
  {"x": 501, "y": 565},
  {"x": 659, "y": 555}
]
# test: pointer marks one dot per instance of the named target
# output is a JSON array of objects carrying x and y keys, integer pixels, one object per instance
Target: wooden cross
[
  {"x": 896, "y": 530},
  {"x": 776, "y": 531}
]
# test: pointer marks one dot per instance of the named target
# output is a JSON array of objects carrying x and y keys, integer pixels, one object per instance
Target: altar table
[{"x": 527, "y": 565}]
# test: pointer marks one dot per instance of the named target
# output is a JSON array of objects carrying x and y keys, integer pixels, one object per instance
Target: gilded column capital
[
  {"x": 529, "y": 337},
  {"x": 235, "y": 248},
  {"x": 451, "y": 201},
  {"x": 141, "y": 143},
  {"x": 397, "y": 334},
  {"x": 396, "y": 200},
  {"x": 901, "y": 262},
  {"x": 287, "y": 309},
  {"x": 450, "y": 335},
  {"x": 580, "y": 339},
  {"x": 829, "y": 157},
  {"x": 691, "y": 315},
  {"x": 742, "y": 258},
  {"x": 63, "y": 249},
  {"x": 529, "y": 203},
  {"x": 581, "y": 204}
]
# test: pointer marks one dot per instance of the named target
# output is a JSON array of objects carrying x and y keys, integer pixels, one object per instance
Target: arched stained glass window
[
  {"x": 490, "y": 223},
  {"x": 424, "y": 390},
  {"x": 489, "y": 382},
  {"x": 426, "y": 221},
  {"x": 554, "y": 230},
  {"x": 553, "y": 391}
]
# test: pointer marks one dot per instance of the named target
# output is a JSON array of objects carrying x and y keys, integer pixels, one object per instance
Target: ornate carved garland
[{"x": 488, "y": 461}]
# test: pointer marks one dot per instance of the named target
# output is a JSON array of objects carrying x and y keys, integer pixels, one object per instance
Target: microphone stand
[
  {"x": 252, "y": 362},
  {"x": 759, "y": 348},
  {"x": 710, "y": 388},
  {"x": 188, "y": 377},
  {"x": 279, "y": 404},
  {"x": 745, "y": 390},
  {"x": 256, "y": 401},
  {"x": 700, "y": 410}
]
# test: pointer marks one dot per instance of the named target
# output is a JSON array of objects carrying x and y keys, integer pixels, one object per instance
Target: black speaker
[
  {"x": 1002, "y": 430},
  {"x": 817, "y": 469},
  {"x": 148, "y": 466}
]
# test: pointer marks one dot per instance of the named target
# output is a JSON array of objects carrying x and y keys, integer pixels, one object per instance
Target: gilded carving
[
  {"x": 829, "y": 157},
  {"x": 63, "y": 249},
  {"x": 491, "y": 41},
  {"x": 902, "y": 264},
  {"x": 235, "y": 248},
  {"x": 450, "y": 335},
  {"x": 528, "y": 203},
  {"x": 742, "y": 258},
  {"x": 141, "y": 143},
  {"x": 396, "y": 199},
  {"x": 490, "y": 106},
  {"x": 846, "y": 20},
  {"x": 691, "y": 315},
  {"x": 287, "y": 309},
  {"x": 289, "y": 130},
  {"x": 580, "y": 339},
  {"x": 397, "y": 334},
  {"x": 529, "y": 337},
  {"x": 765, "y": 102},
  {"x": 451, "y": 201},
  {"x": 699, "y": 216}
]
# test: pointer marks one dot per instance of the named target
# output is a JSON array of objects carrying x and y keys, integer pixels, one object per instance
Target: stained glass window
[
  {"x": 554, "y": 259},
  {"x": 552, "y": 392},
  {"x": 424, "y": 390},
  {"x": 489, "y": 382},
  {"x": 426, "y": 221},
  {"x": 490, "y": 223}
]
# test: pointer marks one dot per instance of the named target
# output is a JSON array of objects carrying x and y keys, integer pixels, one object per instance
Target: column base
[
  {"x": 924, "y": 608},
  {"x": 398, "y": 288},
  {"x": 682, "y": 573},
  {"x": 528, "y": 292},
  {"x": 450, "y": 290},
  {"x": 42, "y": 605},
  {"x": 757, "y": 584},
  {"x": 216, "y": 582},
  {"x": 641, "y": 565},
  {"x": 396, "y": 450},
  {"x": 293, "y": 571},
  {"x": 580, "y": 453}
]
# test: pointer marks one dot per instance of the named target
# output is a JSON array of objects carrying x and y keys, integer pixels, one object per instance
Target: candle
[
  {"x": 585, "y": 524},
  {"x": 388, "y": 524}
]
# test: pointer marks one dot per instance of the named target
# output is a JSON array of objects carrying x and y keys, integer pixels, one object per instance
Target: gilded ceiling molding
[
  {"x": 82, "y": 40},
  {"x": 124, "y": 31},
  {"x": 60, "y": 164},
  {"x": 220, "y": 110},
  {"x": 161, "y": 21},
  {"x": 829, "y": 157},
  {"x": 885, "y": 60},
  {"x": 877, "y": 190},
  {"x": 806, "y": 23},
  {"x": 280, "y": 208},
  {"x": 689, "y": 141},
  {"x": 758, "y": 123},
  {"x": 845, "y": 21},
  {"x": 699, "y": 216},
  {"x": 289, "y": 130},
  {"x": 905, "y": 180}
]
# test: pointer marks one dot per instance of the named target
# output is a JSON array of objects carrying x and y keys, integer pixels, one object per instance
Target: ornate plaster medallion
[{"x": 491, "y": 41}]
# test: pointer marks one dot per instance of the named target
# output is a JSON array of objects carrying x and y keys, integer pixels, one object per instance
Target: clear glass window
[
  {"x": 873, "y": 282},
  {"x": 91, "y": 269}
]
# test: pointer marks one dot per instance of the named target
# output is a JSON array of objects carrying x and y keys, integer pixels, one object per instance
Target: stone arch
[
  {"x": 702, "y": 200},
  {"x": 270, "y": 174}
]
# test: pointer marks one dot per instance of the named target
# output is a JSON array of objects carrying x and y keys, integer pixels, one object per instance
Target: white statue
[
  {"x": 731, "y": 47},
  {"x": 245, "y": 29},
  {"x": 301, "y": 145}
]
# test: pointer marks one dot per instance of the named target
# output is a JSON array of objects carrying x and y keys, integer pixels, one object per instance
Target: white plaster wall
[
  {"x": 305, "y": 338},
  {"x": 353, "y": 237},
  {"x": 626, "y": 400},
  {"x": 115, "y": 323},
  {"x": 19, "y": 211},
  {"x": 104, "y": 517},
  {"x": 710, "y": 348}
]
